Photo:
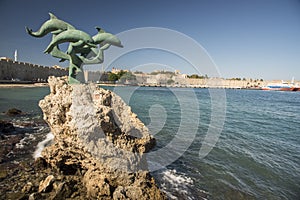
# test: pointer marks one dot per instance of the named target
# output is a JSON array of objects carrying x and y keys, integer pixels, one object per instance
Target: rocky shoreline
[
  {"x": 98, "y": 151},
  {"x": 19, "y": 173}
]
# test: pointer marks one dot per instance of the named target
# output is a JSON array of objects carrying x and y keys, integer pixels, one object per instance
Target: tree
[
  {"x": 112, "y": 77},
  {"x": 127, "y": 76},
  {"x": 153, "y": 73},
  {"x": 193, "y": 76},
  {"x": 197, "y": 76},
  {"x": 121, "y": 73},
  {"x": 170, "y": 81},
  {"x": 138, "y": 72}
]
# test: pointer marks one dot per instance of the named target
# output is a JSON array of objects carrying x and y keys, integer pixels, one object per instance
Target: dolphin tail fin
[
  {"x": 49, "y": 49},
  {"x": 28, "y": 30},
  {"x": 52, "y": 16},
  {"x": 100, "y": 30}
]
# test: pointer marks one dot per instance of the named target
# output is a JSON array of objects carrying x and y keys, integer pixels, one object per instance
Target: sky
[{"x": 243, "y": 38}]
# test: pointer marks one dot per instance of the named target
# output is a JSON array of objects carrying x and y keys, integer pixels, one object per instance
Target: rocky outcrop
[
  {"x": 97, "y": 138},
  {"x": 13, "y": 112}
]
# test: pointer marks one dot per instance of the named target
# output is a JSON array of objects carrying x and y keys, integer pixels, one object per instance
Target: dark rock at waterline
[
  {"x": 13, "y": 112},
  {"x": 8, "y": 146},
  {"x": 40, "y": 163},
  {"x": 6, "y": 127}
]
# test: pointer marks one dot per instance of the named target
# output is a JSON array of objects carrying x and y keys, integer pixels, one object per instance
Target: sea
[{"x": 210, "y": 143}]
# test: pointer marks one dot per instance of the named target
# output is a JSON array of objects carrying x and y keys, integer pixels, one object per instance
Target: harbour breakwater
[{"x": 22, "y": 71}]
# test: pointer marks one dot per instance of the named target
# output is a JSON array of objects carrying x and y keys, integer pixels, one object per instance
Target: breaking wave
[{"x": 41, "y": 145}]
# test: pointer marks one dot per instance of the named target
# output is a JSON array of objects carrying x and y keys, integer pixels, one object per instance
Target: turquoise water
[
  {"x": 257, "y": 155},
  {"x": 25, "y": 99}
]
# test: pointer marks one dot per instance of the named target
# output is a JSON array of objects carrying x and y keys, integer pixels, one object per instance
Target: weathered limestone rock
[
  {"x": 35, "y": 196},
  {"x": 99, "y": 138},
  {"x": 46, "y": 185}
]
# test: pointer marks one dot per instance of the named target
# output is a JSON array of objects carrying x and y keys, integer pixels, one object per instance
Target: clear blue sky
[{"x": 254, "y": 38}]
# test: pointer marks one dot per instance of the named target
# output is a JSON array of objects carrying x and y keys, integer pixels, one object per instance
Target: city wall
[
  {"x": 179, "y": 80},
  {"x": 11, "y": 70}
]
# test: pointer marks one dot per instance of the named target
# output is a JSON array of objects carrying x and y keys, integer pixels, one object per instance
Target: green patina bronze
[{"x": 82, "y": 49}]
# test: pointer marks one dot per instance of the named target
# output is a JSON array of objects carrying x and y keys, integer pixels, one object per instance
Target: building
[
  {"x": 116, "y": 71},
  {"x": 6, "y": 59}
]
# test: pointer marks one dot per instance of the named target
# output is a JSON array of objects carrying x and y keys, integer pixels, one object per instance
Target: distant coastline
[
  {"x": 227, "y": 85},
  {"x": 24, "y": 84},
  {"x": 20, "y": 74}
]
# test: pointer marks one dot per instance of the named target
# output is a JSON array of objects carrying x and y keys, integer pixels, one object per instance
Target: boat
[{"x": 283, "y": 86}]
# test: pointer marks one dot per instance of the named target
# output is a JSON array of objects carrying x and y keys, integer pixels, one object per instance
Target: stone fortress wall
[
  {"x": 21, "y": 71},
  {"x": 179, "y": 80},
  {"x": 182, "y": 81}
]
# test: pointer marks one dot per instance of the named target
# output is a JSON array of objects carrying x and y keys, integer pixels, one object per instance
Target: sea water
[{"x": 255, "y": 156}]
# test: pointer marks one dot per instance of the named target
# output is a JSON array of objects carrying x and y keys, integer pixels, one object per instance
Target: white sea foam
[
  {"x": 173, "y": 184},
  {"x": 21, "y": 144},
  {"x": 41, "y": 145},
  {"x": 25, "y": 140}
]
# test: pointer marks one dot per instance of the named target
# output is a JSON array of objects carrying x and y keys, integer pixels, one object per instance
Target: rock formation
[{"x": 98, "y": 139}]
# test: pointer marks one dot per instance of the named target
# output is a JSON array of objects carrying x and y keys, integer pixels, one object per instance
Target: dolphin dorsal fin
[
  {"x": 52, "y": 16},
  {"x": 100, "y": 30}
]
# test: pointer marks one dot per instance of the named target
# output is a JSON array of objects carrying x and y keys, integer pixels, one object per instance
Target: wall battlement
[{"x": 11, "y": 70}]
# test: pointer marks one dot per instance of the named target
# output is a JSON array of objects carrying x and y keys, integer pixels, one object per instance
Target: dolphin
[
  {"x": 97, "y": 58},
  {"x": 56, "y": 52},
  {"x": 53, "y": 25},
  {"x": 76, "y": 38},
  {"x": 103, "y": 38}
]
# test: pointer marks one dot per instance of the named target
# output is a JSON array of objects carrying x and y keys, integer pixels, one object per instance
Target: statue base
[{"x": 97, "y": 137}]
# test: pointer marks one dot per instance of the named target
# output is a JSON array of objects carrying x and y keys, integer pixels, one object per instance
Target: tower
[{"x": 16, "y": 55}]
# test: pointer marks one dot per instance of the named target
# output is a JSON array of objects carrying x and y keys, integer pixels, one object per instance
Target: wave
[
  {"x": 176, "y": 186},
  {"x": 41, "y": 145},
  {"x": 28, "y": 137}
]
